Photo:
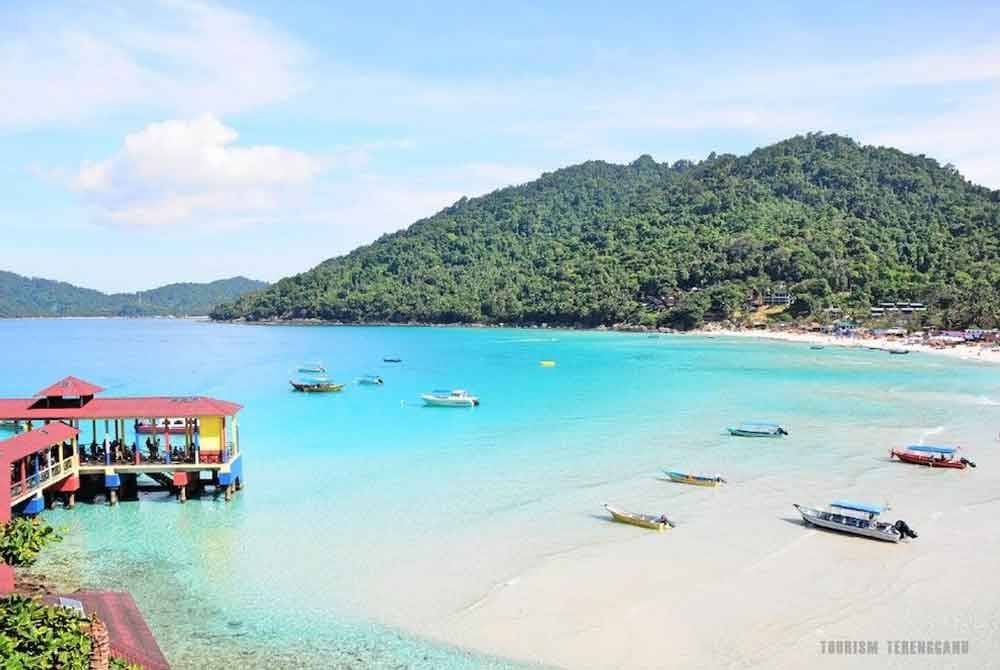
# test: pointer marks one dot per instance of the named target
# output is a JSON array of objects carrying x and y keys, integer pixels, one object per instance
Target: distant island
[
  {"x": 32, "y": 297},
  {"x": 817, "y": 227}
]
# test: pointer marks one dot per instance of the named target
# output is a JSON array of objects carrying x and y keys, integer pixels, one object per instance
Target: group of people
[{"x": 116, "y": 451}]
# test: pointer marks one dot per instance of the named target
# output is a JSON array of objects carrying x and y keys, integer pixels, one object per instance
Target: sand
[
  {"x": 741, "y": 583},
  {"x": 967, "y": 352}
]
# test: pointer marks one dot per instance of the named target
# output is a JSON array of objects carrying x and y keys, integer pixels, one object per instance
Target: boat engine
[
  {"x": 967, "y": 462},
  {"x": 904, "y": 530}
]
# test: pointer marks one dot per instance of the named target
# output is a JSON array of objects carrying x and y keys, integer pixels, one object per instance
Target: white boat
[
  {"x": 454, "y": 398},
  {"x": 758, "y": 429},
  {"x": 865, "y": 522},
  {"x": 315, "y": 368}
]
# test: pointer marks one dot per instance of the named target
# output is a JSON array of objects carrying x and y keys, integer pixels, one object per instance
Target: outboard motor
[
  {"x": 904, "y": 530},
  {"x": 967, "y": 462}
]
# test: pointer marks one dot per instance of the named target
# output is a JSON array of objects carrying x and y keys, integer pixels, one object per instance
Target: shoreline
[{"x": 965, "y": 352}]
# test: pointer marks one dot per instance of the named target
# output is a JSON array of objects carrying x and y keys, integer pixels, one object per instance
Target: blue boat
[{"x": 758, "y": 429}]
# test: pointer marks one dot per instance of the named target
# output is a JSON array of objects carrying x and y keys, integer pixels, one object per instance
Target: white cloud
[
  {"x": 64, "y": 68},
  {"x": 191, "y": 171}
]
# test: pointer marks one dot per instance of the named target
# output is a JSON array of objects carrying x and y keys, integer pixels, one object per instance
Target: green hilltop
[
  {"x": 34, "y": 297},
  {"x": 837, "y": 224}
]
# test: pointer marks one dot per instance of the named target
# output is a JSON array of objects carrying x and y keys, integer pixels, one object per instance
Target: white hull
[
  {"x": 434, "y": 401},
  {"x": 877, "y": 530}
]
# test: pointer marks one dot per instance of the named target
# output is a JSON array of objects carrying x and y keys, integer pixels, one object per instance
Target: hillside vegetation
[
  {"x": 836, "y": 223},
  {"x": 33, "y": 297}
]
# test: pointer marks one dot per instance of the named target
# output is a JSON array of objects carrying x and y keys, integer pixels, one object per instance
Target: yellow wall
[{"x": 210, "y": 433}]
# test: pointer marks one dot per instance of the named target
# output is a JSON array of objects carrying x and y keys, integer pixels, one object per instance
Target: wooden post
[
  {"x": 112, "y": 497},
  {"x": 71, "y": 500},
  {"x": 182, "y": 494}
]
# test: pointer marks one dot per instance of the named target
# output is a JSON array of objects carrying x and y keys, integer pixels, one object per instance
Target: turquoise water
[{"x": 364, "y": 510}]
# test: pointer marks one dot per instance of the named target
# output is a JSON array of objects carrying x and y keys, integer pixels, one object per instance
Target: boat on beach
[
  {"x": 650, "y": 521},
  {"x": 931, "y": 456},
  {"x": 864, "y": 520},
  {"x": 758, "y": 429},
  {"x": 695, "y": 480},
  {"x": 371, "y": 380},
  {"x": 454, "y": 398},
  {"x": 317, "y": 384}
]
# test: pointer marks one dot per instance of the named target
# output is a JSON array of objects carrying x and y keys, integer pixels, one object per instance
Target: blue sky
[{"x": 176, "y": 140}]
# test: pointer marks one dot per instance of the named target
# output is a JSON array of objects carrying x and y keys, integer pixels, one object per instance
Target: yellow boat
[
  {"x": 696, "y": 480},
  {"x": 642, "y": 520},
  {"x": 547, "y": 364}
]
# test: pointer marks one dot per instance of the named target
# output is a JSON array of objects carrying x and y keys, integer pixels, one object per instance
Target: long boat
[
  {"x": 838, "y": 518},
  {"x": 899, "y": 352},
  {"x": 931, "y": 456},
  {"x": 312, "y": 368},
  {"x": 456, "y": 398},
  {"x": 371, "y": 380},
  {"x": 318, "y": 384},
  {"x": 642, "y": 520},
  {"x": 696, "y": 480},
  {"x": 758, "y": 429}
]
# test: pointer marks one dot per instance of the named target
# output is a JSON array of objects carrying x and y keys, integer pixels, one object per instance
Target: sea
[{"x": 367, "y": 517}]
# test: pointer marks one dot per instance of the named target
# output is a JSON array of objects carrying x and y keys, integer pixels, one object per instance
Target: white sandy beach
[
  {"x": 740, "y": 583},
  {"x": 967, "y": 352}
]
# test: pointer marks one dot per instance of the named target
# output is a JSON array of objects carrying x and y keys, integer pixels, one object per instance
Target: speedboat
[
  {"x": 758, "y": 429},
  {"x": 315, "y": 384},
  {"x": 697, "y": 480},
  {"x": 312, "y": 368},
  {"x": 864, "y": 520},
  {"x": 935, "y": 457},
  {"x": 371, "y": 380},
  {"x": 650, "y": 521},
  {"x": 150, "y": 427},
  {"x": 455, "y": 398}
]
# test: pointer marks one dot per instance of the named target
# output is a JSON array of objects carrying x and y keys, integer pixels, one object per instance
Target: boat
[
  {"x": 392, "y": 359},
  {"x": 642, "y": 520},
  {"x": 758, "y": 429},
  {"x": 11, "y": 425},
  {"x": 312, "y": 369},
  {"x": 147, "y": 427},
  {"x": 839, "y": 518},
  {"x": 696, "y": 480},
  {"x": 454, "y": 398},
  {"x": 817, "y": 347},
  {"x": 929, "y": 455},
  {"x": 547, "y": 364},
  {"x": 371, "y": 380},
  {"x": 899, "y": 352},
  {"x": 316, "y": 384}
]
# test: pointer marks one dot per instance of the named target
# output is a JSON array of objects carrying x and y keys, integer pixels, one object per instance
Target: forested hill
[
  {"x": 836, "y": 223},
  {"x": 33, "y": 297}
]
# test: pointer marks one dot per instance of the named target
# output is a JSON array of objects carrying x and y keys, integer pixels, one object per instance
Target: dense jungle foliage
[{"x": 835, "y": 223}]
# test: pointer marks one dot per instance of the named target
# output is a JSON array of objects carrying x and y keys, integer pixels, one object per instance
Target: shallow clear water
[{"x": 351, "y": 497}]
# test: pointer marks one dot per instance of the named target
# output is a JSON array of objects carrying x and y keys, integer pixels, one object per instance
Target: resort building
[{"x": 75, "y": 442}]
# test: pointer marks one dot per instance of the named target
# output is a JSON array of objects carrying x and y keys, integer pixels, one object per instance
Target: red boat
[{"x": 935, "y": 457}]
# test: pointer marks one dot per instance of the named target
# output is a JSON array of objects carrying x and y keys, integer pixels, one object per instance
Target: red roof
[
  {"x": 28, "y": 443},
  {"x": 69, "y": 386},
  {"x": 112, "y": 408},
  {"x": 128, "y": 633}
]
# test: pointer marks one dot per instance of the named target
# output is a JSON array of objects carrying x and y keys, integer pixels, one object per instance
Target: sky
[{"x": 143, "y": 143}]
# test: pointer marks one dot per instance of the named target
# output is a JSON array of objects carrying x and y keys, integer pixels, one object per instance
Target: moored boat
[
  {"x": 696, "y": 480},
  {"x": 316, "y": 384},
  {"x": 816, "y": 347},
  {"x": 758, "y": 429},
  {"x": 931, "y": 456},
  {"x": 454, "y": 398},
  {"x": 392, "y": 359},
  {"x": 371, "y": 380},
  {"x": 315, "y": 368},
  {"x": 863, "y": 522},
  {"x": 899, "y": 351},
  {"x": 650, "y": 521}
]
